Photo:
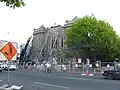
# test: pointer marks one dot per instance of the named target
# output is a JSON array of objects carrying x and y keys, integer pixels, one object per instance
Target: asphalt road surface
[{"x": 58, "y": 81}]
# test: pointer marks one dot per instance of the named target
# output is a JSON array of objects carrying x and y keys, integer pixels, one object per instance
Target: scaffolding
[
  {"x": 51, "y": 56},
  {"x": 44, "y": 44},
  {"x": 50, "y": 53}
]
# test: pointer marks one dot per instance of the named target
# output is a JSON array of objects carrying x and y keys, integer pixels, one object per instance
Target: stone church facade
[{"x": 47, "y": 43}]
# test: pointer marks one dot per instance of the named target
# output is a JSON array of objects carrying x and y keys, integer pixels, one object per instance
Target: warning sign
[{"x": 8, "y": 51}]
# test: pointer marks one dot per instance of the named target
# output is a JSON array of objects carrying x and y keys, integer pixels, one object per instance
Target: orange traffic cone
[
  {"x": 28, "y": 68},
  {"x": 58, "y": 70},
  {"x": 20, "y": 67},
  {"x": 87, "y": 73},
  {"x": 73, "y": 71}
]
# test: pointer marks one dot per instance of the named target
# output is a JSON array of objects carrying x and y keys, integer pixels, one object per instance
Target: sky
[{"x": 18, "y": 24}]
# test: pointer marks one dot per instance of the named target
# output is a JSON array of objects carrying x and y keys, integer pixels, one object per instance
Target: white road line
[{"x": 51, "y": 85}]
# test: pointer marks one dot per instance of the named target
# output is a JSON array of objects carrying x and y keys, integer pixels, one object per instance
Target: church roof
[{"x": 42, "y": 27}]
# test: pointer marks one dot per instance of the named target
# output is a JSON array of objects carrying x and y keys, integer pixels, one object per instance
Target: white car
[
  {"x": 12, "y": 67},
  {"x": 4, "y": 66},
  {"x": 1, "y": 69}
]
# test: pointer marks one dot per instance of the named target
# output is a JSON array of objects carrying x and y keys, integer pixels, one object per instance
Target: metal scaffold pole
[
  {"x": 50, "y": 54},
  {"x": 40, "y": 55},
  {"x": 44, "y": 44}
]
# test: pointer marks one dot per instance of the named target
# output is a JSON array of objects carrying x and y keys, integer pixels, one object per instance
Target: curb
[{"x": 83, "y": 74}]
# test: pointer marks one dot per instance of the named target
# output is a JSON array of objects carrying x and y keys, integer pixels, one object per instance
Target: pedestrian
[
  {"x": 64, "y": 67},
  {"x": 47, "y": 69}
]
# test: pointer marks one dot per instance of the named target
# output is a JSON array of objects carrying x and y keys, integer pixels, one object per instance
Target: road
[{"x": 58, "y": 81}]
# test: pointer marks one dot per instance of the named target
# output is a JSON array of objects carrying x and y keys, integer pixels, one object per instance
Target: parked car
[
  {"x": 112, "y": 74},
  {"x": 12, "y": 67},
  {"x": 1, "y": 69},
  {"x": 4, "y": 66},
  {"x": 107, "y": 66}
]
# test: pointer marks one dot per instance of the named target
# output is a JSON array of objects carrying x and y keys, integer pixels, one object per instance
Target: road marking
[{"x": 51, "y": 85}]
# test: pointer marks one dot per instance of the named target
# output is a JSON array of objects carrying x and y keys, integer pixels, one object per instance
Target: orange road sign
[{"x": 8, "y": 51}]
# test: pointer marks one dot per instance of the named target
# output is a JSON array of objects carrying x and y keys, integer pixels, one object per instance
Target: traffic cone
[
  {"x": 83, "y": 74},
  {"x": 94, "y": 72},
  {"x": 73, "y": 71},
  {"x": 58, "y": 70},
  {"x": 20, "y": 67},
  {"x": 87, "y": 73},
  {"x": 28, "y": 68}
]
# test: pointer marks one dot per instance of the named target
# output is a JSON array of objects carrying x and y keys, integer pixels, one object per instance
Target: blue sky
[{"x": 18, "y": 24}]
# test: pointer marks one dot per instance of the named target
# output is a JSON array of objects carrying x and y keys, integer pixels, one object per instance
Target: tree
[
  {"x": 67, "y": 55},
  {"x": 90, "y": 35},
  {"x": 13, "y": 3}
]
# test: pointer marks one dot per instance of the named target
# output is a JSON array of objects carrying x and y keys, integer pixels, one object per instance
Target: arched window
[
  {"x": 52, "y": 43},
  {"x": 62, "y": 42}
]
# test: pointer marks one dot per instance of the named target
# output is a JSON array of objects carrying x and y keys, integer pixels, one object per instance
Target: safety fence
[{"x": 61, "y": 68}]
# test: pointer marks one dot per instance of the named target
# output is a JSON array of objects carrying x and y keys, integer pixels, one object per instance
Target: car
[
  {"x": 4, "y": 66},
  {"x": 1, "y": 69},
  {"x": 12, "y": 67},
  {"x": 112, "y": 74}
]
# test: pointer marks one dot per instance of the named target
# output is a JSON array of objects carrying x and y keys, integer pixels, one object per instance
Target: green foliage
[
  {"x": 94, "y": 34},
  {"x": 67, "y": 54},
  {"x": 13, "y": 3}
]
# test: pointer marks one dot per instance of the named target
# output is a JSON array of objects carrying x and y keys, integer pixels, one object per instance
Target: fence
[{"x": 58, "y": 68}]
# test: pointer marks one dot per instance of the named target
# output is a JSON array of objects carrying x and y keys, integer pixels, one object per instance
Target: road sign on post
[{"x": 8, "y": 51}]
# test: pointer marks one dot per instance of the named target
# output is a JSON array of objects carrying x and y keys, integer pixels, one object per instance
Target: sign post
[
  {"x": 8, "y": 51},
  {"x": 8, "y": 73}
]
